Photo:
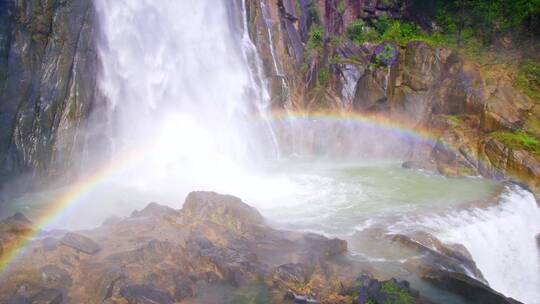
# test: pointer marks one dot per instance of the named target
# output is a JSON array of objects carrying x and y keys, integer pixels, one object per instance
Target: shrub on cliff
[
  {"x": 528, "y": 79},
  {"x": 315, "y": 38}
]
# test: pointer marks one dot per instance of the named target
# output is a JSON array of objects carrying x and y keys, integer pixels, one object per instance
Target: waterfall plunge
[
  {"x": 184, "y": 83},
  {"x": 501, "y": 240}
]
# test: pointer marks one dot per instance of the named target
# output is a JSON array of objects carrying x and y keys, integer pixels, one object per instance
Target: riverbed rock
[
  {"x": 47, "y": 296},
  {"x": 436, "y": 255},
  {"x": 466, "y": 286},
  {"x": 145, "y": 294},
  {"x": 52, "y": 275},
  {"x": 80, "y": 242},
  {"x": 226, "y": 210},
  {"x": 163, "y": 255}
]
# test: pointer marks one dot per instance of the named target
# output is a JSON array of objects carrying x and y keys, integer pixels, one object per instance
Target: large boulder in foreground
[
  {"x": 216, "y": 245},
  {"x": 225, "y": 210}
]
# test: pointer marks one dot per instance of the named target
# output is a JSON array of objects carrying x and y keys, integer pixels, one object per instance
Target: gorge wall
[
  {"x": 48, "y": 68},
  {"x": 312, "y": 65},
  {"x": 49, "y": 65}
]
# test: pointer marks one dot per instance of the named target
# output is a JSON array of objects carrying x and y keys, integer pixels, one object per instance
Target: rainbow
[
  {"x": 76, "y": 191},
  {"x": 393, "y": 123},
  {"x": 67, "y": 201}
]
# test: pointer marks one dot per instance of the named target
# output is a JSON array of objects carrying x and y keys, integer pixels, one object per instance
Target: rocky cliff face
[
  {"x": 432, "y": 88},
  {"x": 48, "y": 67},
  {"x": 49, "y": 63}
]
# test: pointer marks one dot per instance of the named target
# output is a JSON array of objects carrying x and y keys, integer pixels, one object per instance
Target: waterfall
[
  {"x": 184, "y": 83},
  {"x": 502, "y": 242},
  {"x": 269, "y": 25}
]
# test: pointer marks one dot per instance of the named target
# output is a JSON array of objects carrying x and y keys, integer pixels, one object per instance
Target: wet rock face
[
  {"x": 163, "y": 255},
  {"x": 467, "y": 287},
  {"x": 145, "y": 294},
  {"x": 80, "y": 243},
  {"x": 439, "y": 256},
  {"x": 226, "y": 210},
  {"x": 48, "y": 68}
]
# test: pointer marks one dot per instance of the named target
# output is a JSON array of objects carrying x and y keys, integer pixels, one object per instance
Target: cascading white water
[
  {"x": 184, "y": 81},
  {"x": 501, "y": 240},
  {"x": 269, "y": 27}
]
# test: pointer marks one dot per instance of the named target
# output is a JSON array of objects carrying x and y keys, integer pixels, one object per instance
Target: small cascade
[
  {"x": 257, "y": 77},
  {"x": 501, "y": 240},
  {"x": 269, "y": 25}
]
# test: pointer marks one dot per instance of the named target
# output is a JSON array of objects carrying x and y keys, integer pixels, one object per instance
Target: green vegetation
[
  {"x": 528, "y": 79},
  {"x": 487, "y": 18},
  {"x": 385, "y": 29},
  {"x": 358, "y": 32},
  {"x": 518, "y": 140},
  {"x": 468, "y": 25},
  {"x": 323, "y": 76},
  {"x": 341, "y": 6},
  {"x": 386, "y": 55},
  {"x": 398, "y": 295},
  {"x": 454, "y": 119},
  {"x": 315, "y": 38},
  {"x": 255, "y": 294}
]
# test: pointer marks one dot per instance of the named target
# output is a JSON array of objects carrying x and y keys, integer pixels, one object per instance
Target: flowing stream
[{"x": 184, "y": 83}]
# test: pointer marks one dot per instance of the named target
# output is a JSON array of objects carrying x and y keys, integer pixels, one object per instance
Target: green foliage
[
  {"x": 253, "y": 294},
  {"x": 518, "y": 140},
  {"x": 315, "y": 38},
  {"x": 313, "y": 12},
  {"x": 487, "y": 18},
  {"x": 341, "y": 6},
  {"x": 336, "y": 59},
  {"x": 355, "y": 31},
  {"x": 385, "y": 29},
  {"x": 398, "y": 295},
  {"x": 401, "y": 32},
  {"x": 386, "y": 55},
  {"x": 323, "y": 76},
  {"x": 298, "y": 8},
  {"x": 455, "y": 119},
  {"x": 528, "y": 79}
]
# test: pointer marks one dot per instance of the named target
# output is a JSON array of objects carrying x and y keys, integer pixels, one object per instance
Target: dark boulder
[
  {"x": 47, "y": 296},
  {"x": 53, "y": 275},
  {"x": 183, "y": 288},
  {"x": 50, "y": 243},
  {"x": 441, "y": 257},
  {"x": 235, "y": 266},
  {"x": 17, "y": 223},
  {"x": 81, "y": 243},
  {"x": 292, "y": 274},
  {"x": 466, "y": 286},
  {"x": 18, "y": 300},
  {"x": 144, "y": 294},
  {"x": 323, "y": 247},
  {"x": 156, "y": 210}
]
